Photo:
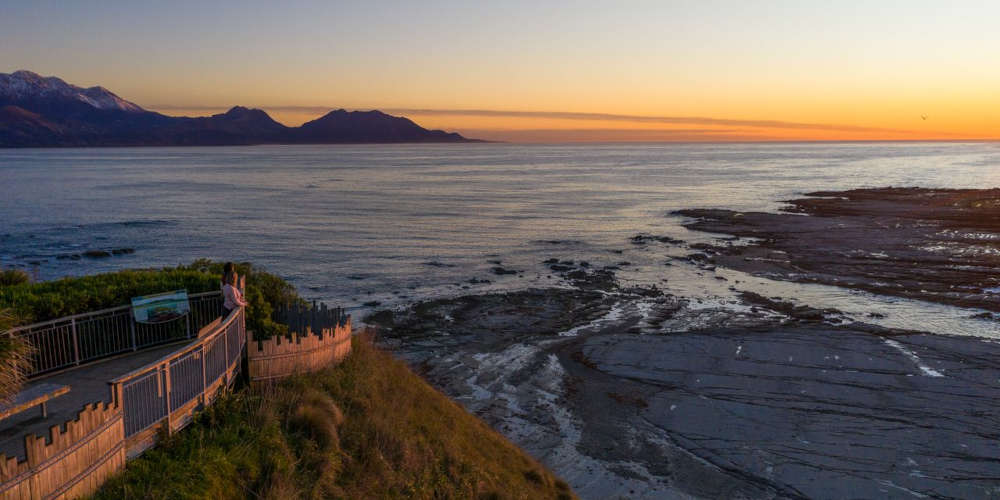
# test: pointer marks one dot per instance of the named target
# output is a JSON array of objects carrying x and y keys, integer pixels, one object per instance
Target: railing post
[
  {"x": 118, "y": 399},
  {"x": 76, "y": 342},
  {"x": 204, "y": 383},
  {"x": 116, "y": 394},
  {"x": 166, "y": 393},
  {"x": 225, "y": 348},
  {"x": 131, "y": 324}
]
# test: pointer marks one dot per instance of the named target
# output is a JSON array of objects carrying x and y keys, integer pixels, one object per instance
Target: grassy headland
[{"x": 368, "y": 428}]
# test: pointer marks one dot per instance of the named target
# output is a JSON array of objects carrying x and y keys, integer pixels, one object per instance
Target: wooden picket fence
[
  {"x": 318, "y": 337},
  {"x": 73, "y": 463}
]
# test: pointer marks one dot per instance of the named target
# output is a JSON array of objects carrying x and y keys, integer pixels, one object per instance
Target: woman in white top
[{"x": 231, "y": 296}]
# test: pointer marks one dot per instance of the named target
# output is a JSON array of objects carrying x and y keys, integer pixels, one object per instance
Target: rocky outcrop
[{"x": 934, "y": 245}]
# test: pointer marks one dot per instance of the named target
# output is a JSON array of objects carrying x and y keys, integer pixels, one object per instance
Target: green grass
[{"x": 368, "y": 428}]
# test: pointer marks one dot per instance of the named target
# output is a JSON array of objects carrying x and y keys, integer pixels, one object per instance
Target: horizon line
[
  {"x": 565, "y": 115},
  {"x": 606, "y": 117}
]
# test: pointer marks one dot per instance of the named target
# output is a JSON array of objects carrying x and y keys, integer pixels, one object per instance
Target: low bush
[
  {"x": 45, "y": 300},
  {"x": 10, "y": 277}
]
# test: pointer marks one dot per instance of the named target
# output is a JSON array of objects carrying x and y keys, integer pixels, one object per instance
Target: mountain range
[{"x": 37, "y": 111}]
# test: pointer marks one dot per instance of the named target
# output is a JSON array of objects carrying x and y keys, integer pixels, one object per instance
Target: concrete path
[{"x": 88, "y": 384}]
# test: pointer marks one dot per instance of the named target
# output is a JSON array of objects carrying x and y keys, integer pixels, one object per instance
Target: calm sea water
[{"x": 356, "y": 224}]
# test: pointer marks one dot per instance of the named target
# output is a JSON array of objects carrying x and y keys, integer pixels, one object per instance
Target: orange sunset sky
[{"x": 544, "y": 71}]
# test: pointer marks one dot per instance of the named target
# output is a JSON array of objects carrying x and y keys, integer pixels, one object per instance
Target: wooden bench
[{"x": 31, "y": 397}]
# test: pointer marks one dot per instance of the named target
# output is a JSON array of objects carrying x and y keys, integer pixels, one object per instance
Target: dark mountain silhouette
[
  {"x": 239, "y": 125},
  {"x": 38, "y": 111},
  {"x": 366, "y": 126},
  {"x": 20, "y": 127}
]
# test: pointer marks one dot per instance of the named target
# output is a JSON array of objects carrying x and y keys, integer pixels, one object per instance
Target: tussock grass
[
  {"x": 10, "y": 277},
  {"x": 15, "y": 359},
  {"x": 368, "y": 428}
]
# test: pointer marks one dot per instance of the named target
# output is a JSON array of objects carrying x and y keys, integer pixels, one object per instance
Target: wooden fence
[
  {"x": 73, "y": 463},
  {"x": 298, "y": 317},
  {"x": 319, "y": 336},
  {"x": 279, "y": 357}
]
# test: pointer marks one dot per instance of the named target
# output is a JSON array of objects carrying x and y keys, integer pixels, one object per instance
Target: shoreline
[{"x": 648, "y": 393}]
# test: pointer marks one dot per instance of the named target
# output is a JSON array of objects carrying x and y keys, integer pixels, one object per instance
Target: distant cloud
[
  {"x": 566, "y": 115},
  {"x": 727, "y": 129},
  {"x": 672, "y": 120},
  {"x": 617, "y": 135}
]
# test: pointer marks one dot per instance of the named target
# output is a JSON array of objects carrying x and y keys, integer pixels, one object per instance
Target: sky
[{"x": 542, "y": 71}]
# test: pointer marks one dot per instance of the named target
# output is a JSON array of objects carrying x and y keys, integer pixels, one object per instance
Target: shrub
[
  {"x": 264, "y": 292},
  {"x": 34, "y": 302},
  {"x": 10, "y": 277}
]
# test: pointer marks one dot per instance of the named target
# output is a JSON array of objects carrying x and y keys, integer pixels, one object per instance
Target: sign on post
[{"x": 161, "y": 307}]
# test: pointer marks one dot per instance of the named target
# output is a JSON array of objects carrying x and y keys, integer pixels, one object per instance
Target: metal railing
[
  {"x": 82, "y": 338},
  {"x": 151, "y": 394}
]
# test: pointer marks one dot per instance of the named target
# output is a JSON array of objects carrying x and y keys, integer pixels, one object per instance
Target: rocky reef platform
[{"x": 638, "y": 392}]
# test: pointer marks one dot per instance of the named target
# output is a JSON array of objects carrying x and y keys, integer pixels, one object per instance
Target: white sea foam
[
  {"x": 926, "y": 370},
  {"x": 613, "y": 315}
]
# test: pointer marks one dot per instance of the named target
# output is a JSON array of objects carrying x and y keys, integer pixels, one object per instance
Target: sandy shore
[{"x": 641, "y": 393}]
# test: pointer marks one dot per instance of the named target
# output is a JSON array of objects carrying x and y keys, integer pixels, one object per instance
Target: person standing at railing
[{"x": 231, "y": 295}]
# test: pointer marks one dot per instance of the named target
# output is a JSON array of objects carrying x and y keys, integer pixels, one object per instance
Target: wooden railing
[
  {"x": 161, "y": 395},
  {"x": 71, "y": 462},
  {"x": 166, "y": 393},
  {"x": 84, "y": 338}
]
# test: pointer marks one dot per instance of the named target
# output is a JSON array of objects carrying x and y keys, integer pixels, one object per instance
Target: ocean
[
  {"x": 692, "y": 392},
  {"x": 361, "y": 225}
]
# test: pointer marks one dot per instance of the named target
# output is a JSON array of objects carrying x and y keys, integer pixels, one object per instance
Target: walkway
[{"x": 88, "y": 384}]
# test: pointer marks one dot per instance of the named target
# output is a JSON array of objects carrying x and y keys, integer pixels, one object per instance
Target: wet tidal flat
[{"x": 645, "y": 392}]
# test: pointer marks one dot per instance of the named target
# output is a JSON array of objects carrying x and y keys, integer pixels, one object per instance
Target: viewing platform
[
  {"x": 112, "y": 384},
  {"x": 127, "y": 381},
  {"x": 88, "y": 384}
]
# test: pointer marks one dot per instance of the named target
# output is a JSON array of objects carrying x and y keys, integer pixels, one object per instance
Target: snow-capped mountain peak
[{"x": 24, "y": 85}]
